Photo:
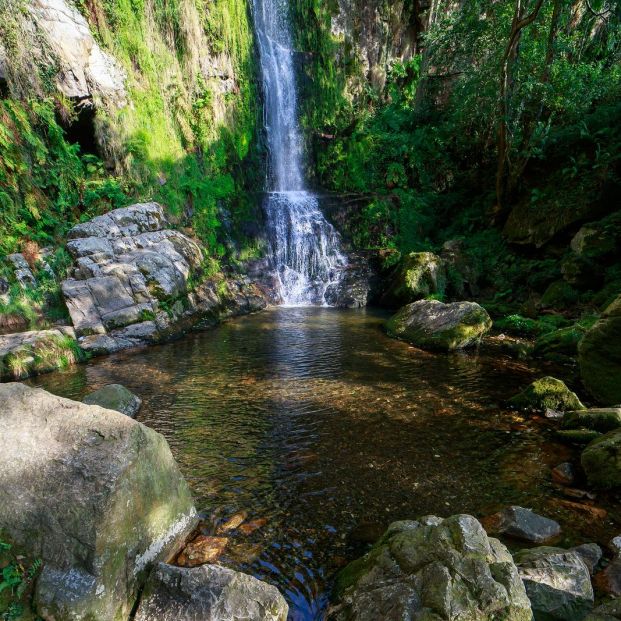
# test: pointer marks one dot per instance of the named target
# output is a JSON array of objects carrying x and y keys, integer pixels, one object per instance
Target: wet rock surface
[
  {"x": 208, "y": 593},
  {"x": 115, "y": 397},
  {"x": 430, "y": 324},
  {"x": 523, "y": 524},
  {"x": 432, "y": 569},
  {"x": 557, "y": 582},
  {"x": 95, "y": 495}
]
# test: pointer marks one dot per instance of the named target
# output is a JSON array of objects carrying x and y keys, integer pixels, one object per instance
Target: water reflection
[{"x": 317, "y": 424}]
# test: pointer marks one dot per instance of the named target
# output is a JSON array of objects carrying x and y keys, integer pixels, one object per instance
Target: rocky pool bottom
[{"x": 320, "y": 431}]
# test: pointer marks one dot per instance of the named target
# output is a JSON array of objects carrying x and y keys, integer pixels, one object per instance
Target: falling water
[{"x": 305, "y": 247}]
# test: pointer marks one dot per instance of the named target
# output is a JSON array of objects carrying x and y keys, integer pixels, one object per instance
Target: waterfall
[{"x": 305, "y": 247}]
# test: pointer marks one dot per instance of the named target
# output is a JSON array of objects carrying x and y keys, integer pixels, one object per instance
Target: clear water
[
  {"x": 315, "y": 421},
  {"x": 305, "y": 247}
]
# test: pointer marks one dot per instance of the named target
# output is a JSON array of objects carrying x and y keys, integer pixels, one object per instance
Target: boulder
[
  {"x": 610, "y": 611},
  {"x": 432, "y": 569},
  {"x": 599, "y": 355},
  {"x": 115, "y": 397},
  {"x": 95, "y": 495},
  {"x": 598, "y": 419},
  {"x": 547, "y": 393},
  {"x": 598, "y": 240},
  {"x": 523, "y": 524},
  {"x": 577, "y": 436},
  {"x": 559, "y": 295},
  {"x": 417, "y": 276},
  {"x": 557, "y": 582},
  {"x": 601, "y": 460},
  {"x": 433, "y": 325},
  {"x": 563, "y": 342},
  {"x": 590, "y": 553},
  {"x": 208, "y": 593}
]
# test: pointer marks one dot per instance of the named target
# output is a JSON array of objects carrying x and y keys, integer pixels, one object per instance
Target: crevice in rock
[{"x": 80, "y": 129}]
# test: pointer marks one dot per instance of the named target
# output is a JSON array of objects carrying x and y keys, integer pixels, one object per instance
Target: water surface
[{"x": 315, "y": 421}]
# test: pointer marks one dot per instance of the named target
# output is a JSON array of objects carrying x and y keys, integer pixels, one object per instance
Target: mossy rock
[
  {"x": 559, "y": 294},
  {"x": 599, "y": 355},
  {"x": 577, "y": 436},
  {"x": 430, "y": 324},
  {"x": 597, "y": 419},
  {"x": 598, "y": 240},
  {"x": 601, "y": 461},
  {"x": 547, "y": 393},
  {"x": 417, "y": 276},
  {"x": 115, "y": 397},
  {"x": 564, "y": 341}
]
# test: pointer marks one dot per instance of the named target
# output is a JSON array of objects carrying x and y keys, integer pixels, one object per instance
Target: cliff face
[{"x": 163, "y": 96}]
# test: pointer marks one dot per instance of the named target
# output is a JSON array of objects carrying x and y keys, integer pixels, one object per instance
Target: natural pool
[{"x": 316, "y": 422}]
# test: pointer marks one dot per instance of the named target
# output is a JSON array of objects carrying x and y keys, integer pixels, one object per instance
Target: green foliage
[{"x": 16, "y": 580}]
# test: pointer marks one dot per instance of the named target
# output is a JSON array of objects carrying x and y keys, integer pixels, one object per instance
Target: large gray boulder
[
  {"x": 95, "y": 495},
  {"x": 115, "y": 397},
  {"x": 433, "y": 325},
  {"x": 208, "y": 593},
  {"x": 558, "y": 583},
  {"x": 138, "y": 282},
  {"x": 432, "y": 569}
]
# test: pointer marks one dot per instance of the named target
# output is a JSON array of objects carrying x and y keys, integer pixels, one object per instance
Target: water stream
[
  {"x": 314, "y": 422},
  {"x": 305, "y": 248}
]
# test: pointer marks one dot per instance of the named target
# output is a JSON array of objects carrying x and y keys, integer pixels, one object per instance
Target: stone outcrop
[
  {"x": 132, "y": 282},
  {"x": 599, "y": 355},
  {"x": 601, "y": 460},
  {"x": 433, "y": 325},
  {"x": 115, "y": 397},
  {"x": 547, "y": 393},
  {"x": 95, "y": 495},
  {"x": 432, "y": 569},
  {"x": 417, "y": 276},
  {"x": 557, "y": 582},
  {"x": 29, "y": 353},
  {"x": 208, "y": 593}
]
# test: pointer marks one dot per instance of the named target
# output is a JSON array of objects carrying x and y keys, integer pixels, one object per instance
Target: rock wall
[{"x": 136, "y": 281}]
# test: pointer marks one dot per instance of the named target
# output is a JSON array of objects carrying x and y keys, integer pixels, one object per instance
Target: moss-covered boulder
[
  {"x": 115, "y": 397},
  {"x": 599, "y": 355},
  {"x": 430, "y": 324},
  {"x": 598, "y": 419},
  {"x": 559, "y": 294},
  {"x": 94, "y": 494},
  {"x": 563, "y": 342},
  {"x": 577, "y": 436},
  {"x": 598, "y": 240},
  {"x": 450, "y": 567},
  {"x": 547, "y": 393},
  {"x": 601, "y": 460},
  {"x": 417, "y": 275}
]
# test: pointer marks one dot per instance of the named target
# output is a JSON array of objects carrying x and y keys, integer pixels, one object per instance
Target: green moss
[
  {"x": 564, "y": 341},
  {"x": 577, "y": 436},
  {"x": 601, "y": 461},
  {"x": 598, "y": 419},
  {"x": 547, "y": 393},
  {"x": 417, "y": 276}
]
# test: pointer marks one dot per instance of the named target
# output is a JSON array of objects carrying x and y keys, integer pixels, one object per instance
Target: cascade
[{"x": 306, "y": 248}]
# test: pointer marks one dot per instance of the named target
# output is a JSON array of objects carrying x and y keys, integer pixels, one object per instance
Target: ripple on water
[{"x": 316, "y": 423}]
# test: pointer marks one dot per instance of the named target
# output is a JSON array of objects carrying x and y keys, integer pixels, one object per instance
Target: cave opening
[{"x": 80, "y": 129}]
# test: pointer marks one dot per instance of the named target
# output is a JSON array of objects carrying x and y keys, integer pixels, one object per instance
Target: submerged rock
[
  {"x": 95, "y": 495},
  {"x": 601, "y": 460},
  {"x": 597, "y": 419},
  {"x": 523, "y": 524},
  {"x": 433, "y": 325},
  {"x": 557, "y": 582},
  {"x": 432, "y": 569},
  {"x": 417, "y": 276},
  {"x": 599, "y": 355},
  {"x": 115, "y": 397},
  {"x": 202, "y": 550},
  {"x": 208, "y": 593},
  {"x": 547, "y": 393}
]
